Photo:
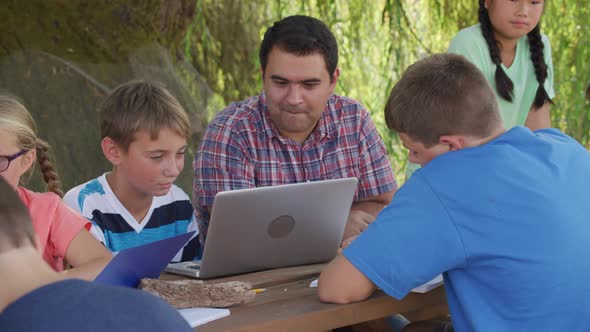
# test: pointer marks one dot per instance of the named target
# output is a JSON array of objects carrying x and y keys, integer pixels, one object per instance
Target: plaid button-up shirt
[{"x": 242, "y": 148}]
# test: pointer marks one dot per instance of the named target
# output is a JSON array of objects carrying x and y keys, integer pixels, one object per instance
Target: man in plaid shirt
[{"x": 296, "y": 130}]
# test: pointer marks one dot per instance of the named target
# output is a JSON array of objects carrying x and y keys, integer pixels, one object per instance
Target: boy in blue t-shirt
[
  {"x": 144, "y": 133},
  {"x": 502, "y": 214}
]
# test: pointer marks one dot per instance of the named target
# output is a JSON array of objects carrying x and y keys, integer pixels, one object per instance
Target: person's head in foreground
[
  {"x": 34, "y": 297},
  {"x": 21, "y": 266},
  {"x": 16, "y": 229},
  {"x": 501, "y": 214}
]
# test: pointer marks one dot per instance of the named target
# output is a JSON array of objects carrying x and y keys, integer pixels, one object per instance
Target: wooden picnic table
[{"x": 289, "y": 304}]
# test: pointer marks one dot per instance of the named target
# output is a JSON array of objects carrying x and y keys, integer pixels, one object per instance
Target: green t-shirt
[{"x": 470, "y": 43}]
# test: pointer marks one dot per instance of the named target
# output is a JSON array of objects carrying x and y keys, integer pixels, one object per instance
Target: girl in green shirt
[{"x": 508, "y": 47}]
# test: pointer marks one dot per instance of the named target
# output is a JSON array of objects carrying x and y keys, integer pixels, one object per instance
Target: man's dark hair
[
  {"x": 443, "y": 94},
  {"x": 16, "y": 229},
  {"x": 301, "y": 35}
]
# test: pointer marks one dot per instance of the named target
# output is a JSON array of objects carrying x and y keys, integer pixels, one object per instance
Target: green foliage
[
  {"x": 62, "y": 57},
  {"x": 566, "y": 24},
  {"x": 377, "y": 41}
]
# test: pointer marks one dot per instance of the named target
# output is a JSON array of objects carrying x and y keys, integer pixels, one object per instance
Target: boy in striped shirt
[{"x": 144, "y": 132}]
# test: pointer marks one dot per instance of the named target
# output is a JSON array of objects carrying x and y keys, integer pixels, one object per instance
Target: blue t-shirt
[
  {"x": 76, "y": 305},
  {"x": 508, "y": 224}
]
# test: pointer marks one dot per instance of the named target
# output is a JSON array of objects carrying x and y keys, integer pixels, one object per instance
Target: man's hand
[{"x": 357, "y": 222}]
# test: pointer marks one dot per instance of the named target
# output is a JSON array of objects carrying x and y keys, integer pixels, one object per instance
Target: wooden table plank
[
  {"x": 289, "y": 304},
  {"x": 296, "y": 307}
]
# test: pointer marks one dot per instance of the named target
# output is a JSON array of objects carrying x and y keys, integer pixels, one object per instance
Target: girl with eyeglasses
[{"x": 61, "y": 233}]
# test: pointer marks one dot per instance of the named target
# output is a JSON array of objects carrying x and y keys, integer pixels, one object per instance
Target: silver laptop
[{"x": 271, "y": 227}]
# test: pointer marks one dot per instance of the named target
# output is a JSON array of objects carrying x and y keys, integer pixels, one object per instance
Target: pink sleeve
[{"x": 66, "y": 224}]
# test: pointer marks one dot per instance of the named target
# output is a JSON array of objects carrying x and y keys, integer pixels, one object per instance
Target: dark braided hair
[
  {"x": 536, "y": 48},
  {"x": 47, "y": 170},
  {"x": 504, "y": 85}
]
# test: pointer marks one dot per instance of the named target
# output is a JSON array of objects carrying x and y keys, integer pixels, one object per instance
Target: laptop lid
[
  {"x": 277, "y": 226},
  {"x": 131, "y": 265}
]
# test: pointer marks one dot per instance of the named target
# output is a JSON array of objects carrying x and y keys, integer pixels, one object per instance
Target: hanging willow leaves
[
  {"x": 207, "y": 52},
  {"x": 378, "y": 40}
]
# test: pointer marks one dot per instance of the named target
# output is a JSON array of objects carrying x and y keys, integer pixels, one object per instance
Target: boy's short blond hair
[
  {"x": 141, "y": 105},
  {"x": 443, "y": 94}
]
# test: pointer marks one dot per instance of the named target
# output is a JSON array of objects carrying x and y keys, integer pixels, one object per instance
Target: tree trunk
[{"x": 61, "y": 57}]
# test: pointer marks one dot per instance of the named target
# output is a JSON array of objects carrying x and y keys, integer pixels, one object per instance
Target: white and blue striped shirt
[{"x": 114, "y": 226}]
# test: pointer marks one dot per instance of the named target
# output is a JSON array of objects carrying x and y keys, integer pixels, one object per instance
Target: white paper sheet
[{"x": 199, "y": 316}]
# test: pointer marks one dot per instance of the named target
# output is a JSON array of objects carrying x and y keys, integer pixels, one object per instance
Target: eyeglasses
[{"x": 5, "y": 160}]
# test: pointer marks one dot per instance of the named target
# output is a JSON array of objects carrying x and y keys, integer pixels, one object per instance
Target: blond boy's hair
[
  {"x": 443, "y": 94},
  {"x": 141, "y": 105}
]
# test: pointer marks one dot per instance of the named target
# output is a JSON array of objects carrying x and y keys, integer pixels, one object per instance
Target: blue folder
[{"x": 131, "y": 265}]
